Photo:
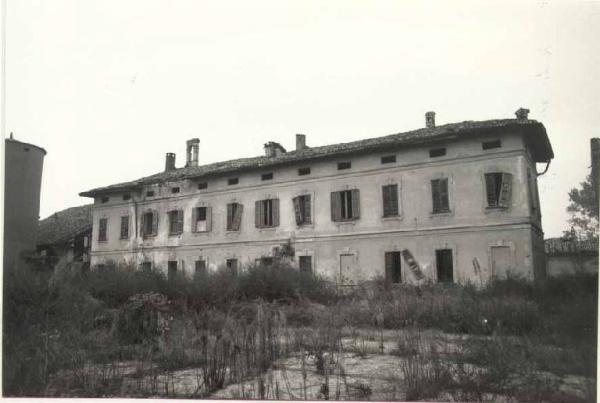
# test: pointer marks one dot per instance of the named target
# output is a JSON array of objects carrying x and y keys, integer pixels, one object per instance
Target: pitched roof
[
  {"x": 65, "y": 224},
  {"x": 534, "y": 132},
  {"x": 562, "y": 246}
]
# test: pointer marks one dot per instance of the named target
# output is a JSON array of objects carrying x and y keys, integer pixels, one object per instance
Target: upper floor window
[
  {"x": 267, "y": 176},
  {"x": 175, "y": 189},
  {"x": 344, "y": 165},
  {"x": 439, "y": 194},
  {"x": 304, "y": 171},
  {"x": 487, "y": 145},
  {"x": 266, "y": 213},
  {"x": 302, "y": 209},
  {"x": 124, "y": 227},
  {"x": 388, "y": 159},
  {"x": 233, "y": 181},
  {"x": 345, "y": 205},
  {"x": 175, "y": 222},
  {"x": 102, "y": 229},
  {"x": 149, "y": 224},
  {"x": 498, "y": 189},
  {"x": 390, "y": 200},
  {"x": 202, "y": 185},
  {"x": 201, "y": 219},
  {"x": 437, "y": 152},
  {"x": 234, "y": 216}
]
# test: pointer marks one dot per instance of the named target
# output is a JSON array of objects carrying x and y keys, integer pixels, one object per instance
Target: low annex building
[{"x": 451, "y": 203}]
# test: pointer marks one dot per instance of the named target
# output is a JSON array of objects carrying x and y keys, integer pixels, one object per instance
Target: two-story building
[{"x": 460, "y": 201}]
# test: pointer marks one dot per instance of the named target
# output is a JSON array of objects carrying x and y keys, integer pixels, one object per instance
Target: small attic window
[
  {"x": 344, "y": 165},
  {"x": 488, "y": 145},
  {"x": 126, "y": 197},
  {"x": 304, "y": 171},
  {"x": 233, "y": 181},
  {"x": 388, "y": 159},
  {"x": 104, "y": 199},
  {"x": 437, "y": 152},
  {"x": 150, "y": 193},
  {"x": 267, "y": 176},
  {"x": 202, "y": 185},
  {"x": 175, "y": 189}
]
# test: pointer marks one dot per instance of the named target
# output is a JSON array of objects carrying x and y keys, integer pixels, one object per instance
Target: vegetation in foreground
[{"x": 122, "y": 332}]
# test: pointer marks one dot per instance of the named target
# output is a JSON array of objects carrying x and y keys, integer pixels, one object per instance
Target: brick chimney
[
  {"x": 170, "y": 162},
  {"x": 300, "y": 142},
  {"x": 273, "y": 149},
  {"x": 522, "y": 114},
  {"x": 191, "y": 152},
  {"x": 430, "y": 119}
]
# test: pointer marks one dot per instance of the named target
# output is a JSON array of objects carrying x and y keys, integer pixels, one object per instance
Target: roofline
[{"x": 27, "y": 144}]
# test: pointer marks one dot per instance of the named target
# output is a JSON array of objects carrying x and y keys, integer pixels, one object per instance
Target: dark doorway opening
[{"x": 445, "y": 267}]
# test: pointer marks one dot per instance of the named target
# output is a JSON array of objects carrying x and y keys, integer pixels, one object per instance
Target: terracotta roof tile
[{"x": 65, "y": 224}]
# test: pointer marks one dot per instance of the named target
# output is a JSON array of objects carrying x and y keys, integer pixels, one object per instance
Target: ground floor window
[
  {"x": 146, "y": 266},
  {"x": 393, "y": 273},
  {"x": 305, "y": 264},
  {"x": 232, "y": 266},
  {"x": 172, "y": 272},
  {"x": 200, "y": 268},
  {"x": 445, "y": 266}
]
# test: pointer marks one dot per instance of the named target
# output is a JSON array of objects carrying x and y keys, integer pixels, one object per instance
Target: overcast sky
[{"x": 108, "y": 87}]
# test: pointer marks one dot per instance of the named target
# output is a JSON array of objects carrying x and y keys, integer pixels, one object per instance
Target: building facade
[{"x": 451, "y": 203}]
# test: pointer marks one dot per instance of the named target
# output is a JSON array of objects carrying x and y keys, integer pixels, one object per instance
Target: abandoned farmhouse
[{"x": 452, "y": 203}]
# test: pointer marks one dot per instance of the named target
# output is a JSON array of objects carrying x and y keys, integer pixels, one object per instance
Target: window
[
  {"x": 172, "y": 267},
  {"x": 124, "y": 227},
  {"x": 388, "y": 159},
  {"x": 150, "y": 193},
  {"x": 104, "y": 199},
  {"x": 445, "y": 266},
  {"x": 345, "y": 205},
  {"x": 233, "y": 181},
  {"x": 488, "y": 145},
  {"x": 175, "y": 189},
  {"x": 146, "y": 267},
  {"x": 175, "y": 222},
  {"x": 266, "y": 177},
  {"x": 126, "y": 197},
  {"x": 266, "y": 213},
  {"x": 102, "y": 228},
  {"x": 234, "y": 216},
  {"x": 304, "y": 171},
  {"x": 232, "y": 266},
  {"x": 200, "y": 268},
  {"x": 263, "y": 261},
  {"x": 437, "y": 152},
  {"x": 305, "y": 264},
  {"x": 390, "y": 200},
  {"x": 344, "y": 165},
  {"x": 439, "y": 193},
  {"x": 302, "y": 209},
  {"x": 149, "y": 224},
  {"x": 498, "y": 187},
  {"x": 393, "y": 271},
  {"x": 201, "y": 219},
  {"x": 202, "y": 185}
]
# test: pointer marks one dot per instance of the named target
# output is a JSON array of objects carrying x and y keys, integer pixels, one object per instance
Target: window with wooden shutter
[
  {"x": 200, "y": 219},
  {"x": 345, "y": 205},
  {"x": 298, "y": 213},
  {"x": 498, "y": 189},
  {"x": 390, "y": 200},
  {"x": 124, "y": 227},
  {"x": 154, "y": 231},
  {"x": 266, "y": 213},
  {"x": 275, "y": 212},
  {"x": 234, "y": 216},
  {"x": 258, "y": 213},
  {"x": 505, "y": 191},
  {"x": 175, "y": 222},
  {"x": 355, "y": 206},
  {"x": 102, "y": 229},
  {"x": 439, "y": 193},
  {"x": 393, "y": 267},
  {"x": 336, "y": 206}
]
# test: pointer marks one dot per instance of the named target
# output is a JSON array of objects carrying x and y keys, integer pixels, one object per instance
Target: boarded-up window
[
  {"x": 305, "y": 264},
  {"x": 124, "y": 227},
  {"x": 498, "y": 189},
  {"x": 175, "y": 222},
  {"x": 232, "y": 266},
  {"x": 201, "y": 219},
  {"x": 266, "y": 213},
  {"x": 172, "y": 273},
  {"x": 102, "y": 229},
  {"x": 345, "y": 205},
  {"x": 393, "y": 272},
  {"x": 439, "y": 194},
  {"x": 445, "y": 265},
  {"x": 149, "y": 224},
  {"x": 234, "y": 216},
  {"x": 302, "y": 209},
  {"x": 390, "y": 200}
]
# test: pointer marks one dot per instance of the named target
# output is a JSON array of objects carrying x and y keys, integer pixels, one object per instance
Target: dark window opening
[
  {"x": 305, "y": 264},
  {"x": 345, "y": 205},
  {"x": 445, "y": 265},
  {"x": 172, "y": 273},
  {"x": 175, "y": 189},
  {"x": 264, "y": 261},
  {"x": 124, "y": 227},
  {"x": 232, "y": 266},
  {"x": 233, "y": 181},
  {"x": 498, "y": 187},
  {"x": 388, "y": 159},
  {"x": 390, "y": 200},
  {"x": 149, "y": 224},
  {"x": 126, "y": 197},
  {"x": 488, "y": 145},
  {"x": 202, "y": 185},
  {"x": 234, "y": 216},
  {"x": 150, "y": 193},
  {"x": 266, "y": 177},
  {"x": 302, "y": 209},
  {"x": 393, "y": 267},
  {"x": 175, "y": 222},
  {"x": 200, "y": 221},
  {"x": 102, "y": 229},
  {"x": 437, "y": 152},
  {"x": 344, "y": 165},
  {"x": 146, "y": 266},
  {"x": 439, "y": 193},
  {"x": 104, "y": 199},
  {"x": 304, "y": 171},
  {"x": 200, "y": 268}
]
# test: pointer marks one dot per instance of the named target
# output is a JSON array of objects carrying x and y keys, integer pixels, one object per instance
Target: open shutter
[
  {"x": 237, "y": 217},
  {"x": 297, "y": 210},
  {"x": 141, "y": 227},
  {"x": 179, "y": 220},
  {"x": 258, "y": 213},
  {"x": 505, "y": 190},
  {"x": 355, "y": 203},
  {"x": 435, "y": 195},
  {"x": 194, "y": 218},
  {"x": 275, "y": 212},
  {"x": 389, "y": 266},
  {"x": 336, "y": 213},
  {"x": 444, "y": 195},
  {"x": 154, "y": 223},
  {"x": 307, "y": 210},
  {"x": 490, "y": 189},
  {"x": 230, "y": 217},
  {"x": 208, "y": 218}
]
